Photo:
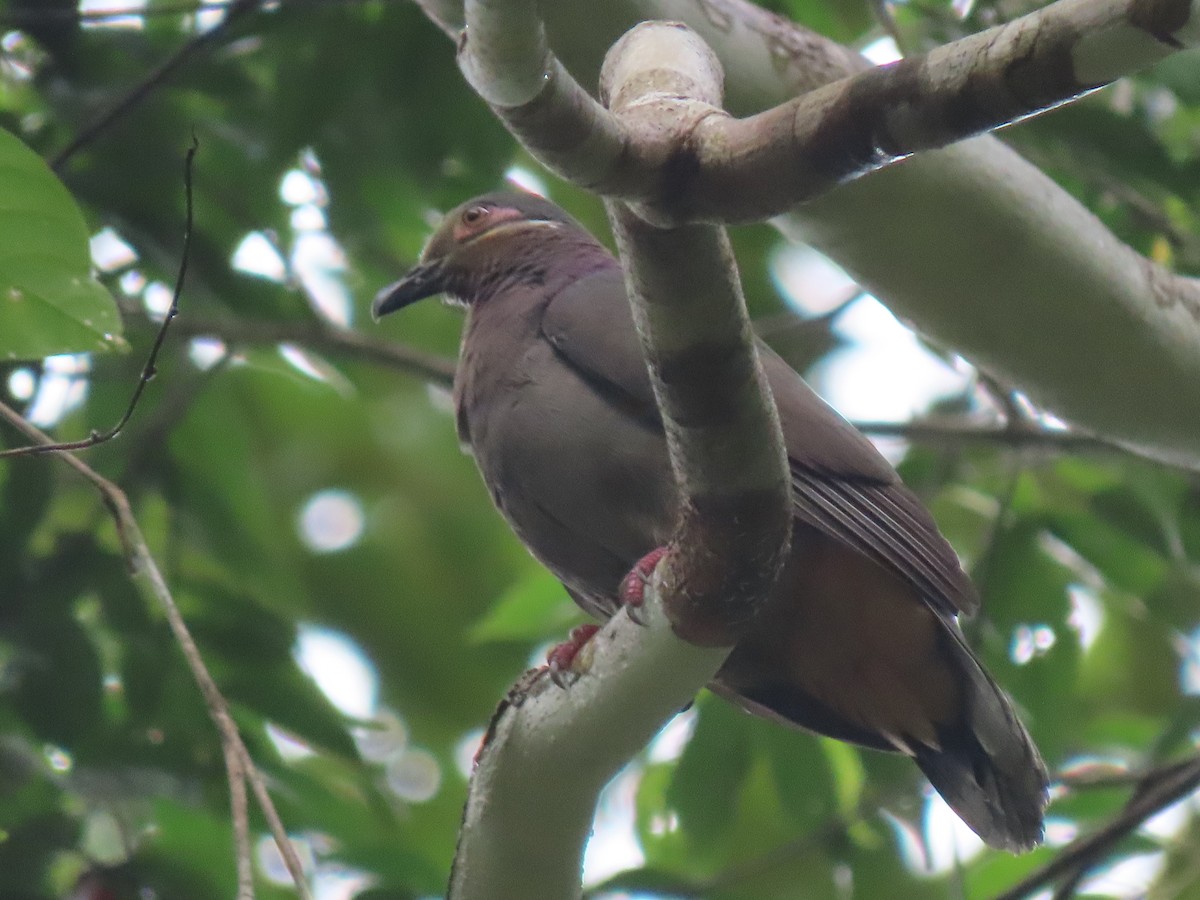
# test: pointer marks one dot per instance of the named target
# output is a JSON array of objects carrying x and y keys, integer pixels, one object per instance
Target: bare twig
[
  {"x": 151, "y": 82},
  {"x": 956, "y": 432},
  {"x": 1158, "y": 789},
  {"x": 429, "y": 367},
  {"x": 149, "y": 369},
  {"x": 146, "y": 574},
  {"x": 240, "y": 813},
  {"x": 887, "y": 21}
]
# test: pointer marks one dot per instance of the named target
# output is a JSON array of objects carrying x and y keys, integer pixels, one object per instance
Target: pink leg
[
  {"x": 563, "y": 655},
  {"x": 633, "y": 585}
]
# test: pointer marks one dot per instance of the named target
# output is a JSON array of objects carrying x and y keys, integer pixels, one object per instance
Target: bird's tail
[{"x": 987, "y": 767}]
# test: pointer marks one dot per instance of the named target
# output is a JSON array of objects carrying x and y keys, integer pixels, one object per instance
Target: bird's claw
[
  {"x": 560, "y": 659},
  {"x": 633, "y": 585}
]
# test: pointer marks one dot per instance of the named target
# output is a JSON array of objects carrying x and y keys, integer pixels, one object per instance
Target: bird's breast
[{"x": 585, "y": 487}]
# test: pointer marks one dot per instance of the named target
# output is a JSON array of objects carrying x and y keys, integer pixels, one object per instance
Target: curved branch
[
  {"x": 532, "y": 798},
  {"x": 979, "y": 249}
]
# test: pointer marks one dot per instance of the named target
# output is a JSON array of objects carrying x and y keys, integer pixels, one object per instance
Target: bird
[{"x": 859, "y": 639}]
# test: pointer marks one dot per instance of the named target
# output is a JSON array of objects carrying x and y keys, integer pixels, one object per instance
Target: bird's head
[{"x": 476, "y": 242}]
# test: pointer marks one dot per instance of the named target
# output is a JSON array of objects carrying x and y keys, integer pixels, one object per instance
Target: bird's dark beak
[{"x": 422, "y": 281}]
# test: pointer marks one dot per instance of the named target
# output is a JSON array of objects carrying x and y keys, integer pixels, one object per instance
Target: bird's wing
[{"x": 841, "y": 484}]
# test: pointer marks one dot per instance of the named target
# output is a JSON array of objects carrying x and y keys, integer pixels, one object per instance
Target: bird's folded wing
[{"x": 842, "y": 485}]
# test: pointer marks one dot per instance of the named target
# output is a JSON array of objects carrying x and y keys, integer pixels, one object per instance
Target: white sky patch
[
  {"x": 330, "y": 521},
  {"x": 132, "y": 283},
  {"x": 384, "y": 737},
  {"x": 526, "y": 180},
  {"x": 1127, "y": 878},
  {"x": 288, "y": 747},
  {"x": 206, "y": 352},
  {"x": 308, "y": 217},
  {"x": 885, "y": 374},
  {"x": 270, "y": 861},
  {"x": 1087, "y": 614},
  {"x": 256, "y": 255},
  {"x": 948, "y": 839},
  {"x": 1060, "y": 832},
  {"x": 465, "y": 751},
  {"x": 21, "y": 384},
  {"x": 1168, "y": 823},
  {"x": 316, "y": 367},
  {"x": 57, "y": 758},
  {"x": 1188, "y": 647},
  {"x": 319, "y": 262},
  {"x": 157, "y": 299},
  {"x": 340, "y": 669},
  {"x": 20, "y": 61},
  {"x": 133, "y": 21},
  {"x": 340, "y": 883},
  {"x": 809, "y": 281},
  {"x": 207, "y": 19},
  {"x": 414, "y": 775},
  {"x": 613, "y": 847},
  {"x": 110, "y": 251},
  {"x": 298, "y": 188},
  {"x": 1030, "y": 642},
  {"x": 62, "y": 388},
  {"x": 882, "y": 51},
  {"x": 669, "y": 743}
]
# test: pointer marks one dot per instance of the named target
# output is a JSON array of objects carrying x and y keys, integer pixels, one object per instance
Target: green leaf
[
  {"x": 534, "y": 608},
  {"x": 49, "y": 302},
  {"x": 711, "y": 772}
]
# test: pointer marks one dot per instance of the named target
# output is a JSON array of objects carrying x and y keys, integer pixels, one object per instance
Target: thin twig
[
  {"x": 146, "y": 572},
  {"x": 887, "y": 21},
  {"x": 429, "y": 367},
  {"x": 150, "y": 368},
  {"x": 151, "y": 82},
  {"x": 1159, "y": 789},
  {"x": 239, "y": 811}
]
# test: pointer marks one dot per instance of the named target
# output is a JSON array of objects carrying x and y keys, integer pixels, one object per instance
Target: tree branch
[
  {"x": 150, "y": 83},
  {"x": 1157, "y": 790},
  {"x": 699, "y": 346},
  {"x": 532, "y": 798},
  {"x": 978, "y": 248},
  {"x": 149, "y": 579},
  {"x": 747, "y": 170},
  {"x": 429, "y": 367}
]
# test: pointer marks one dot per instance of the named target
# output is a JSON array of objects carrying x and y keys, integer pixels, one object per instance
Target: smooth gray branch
[
  {"x": 978, "y": 248},
  {"x": 745, "y": 170}
]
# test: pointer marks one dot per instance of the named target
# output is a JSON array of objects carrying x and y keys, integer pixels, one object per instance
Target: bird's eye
[{"x": 474, "y": 215}]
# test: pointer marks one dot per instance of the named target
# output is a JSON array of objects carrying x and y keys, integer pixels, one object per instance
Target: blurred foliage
[{"x": 295, "y": 489}]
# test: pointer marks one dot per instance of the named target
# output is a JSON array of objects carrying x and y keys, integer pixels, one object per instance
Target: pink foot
[
  {"x": 633, "y": 585},
  {"x": 563, "y": 655}
]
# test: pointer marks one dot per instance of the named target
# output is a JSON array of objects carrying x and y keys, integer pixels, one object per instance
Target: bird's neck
[{"x": 556, "y": 260}]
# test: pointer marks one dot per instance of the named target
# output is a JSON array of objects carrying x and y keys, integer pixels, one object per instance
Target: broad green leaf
[
  {"x": 49, "y": 302},
  {"x": 532, "y": 609},
  {"x": 712, "y": 771}
]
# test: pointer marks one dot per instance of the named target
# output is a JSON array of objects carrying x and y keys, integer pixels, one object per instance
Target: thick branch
[
  {"x": 736, "y": 502},
  {"x": 533, "y": 796},
  {"x": 745, "y": 170},
  {"x": 979, "y": 249},
  {"x": 722, "y": 427}
]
